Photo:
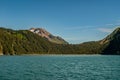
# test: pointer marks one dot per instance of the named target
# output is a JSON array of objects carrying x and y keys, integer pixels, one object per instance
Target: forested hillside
[{"x": 17, "y": 42}]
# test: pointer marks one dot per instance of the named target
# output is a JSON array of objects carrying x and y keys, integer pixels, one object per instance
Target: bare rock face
[{"x": 43, "y": 33}]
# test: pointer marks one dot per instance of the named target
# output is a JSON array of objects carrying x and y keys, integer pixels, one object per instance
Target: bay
[{"x": 60, "y": 67}]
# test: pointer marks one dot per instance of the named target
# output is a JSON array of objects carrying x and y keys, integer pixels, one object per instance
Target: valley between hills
[{"x": 40, "y": 41}]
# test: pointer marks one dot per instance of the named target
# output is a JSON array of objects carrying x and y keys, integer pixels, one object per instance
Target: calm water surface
[{"x": 68, "y": 67}]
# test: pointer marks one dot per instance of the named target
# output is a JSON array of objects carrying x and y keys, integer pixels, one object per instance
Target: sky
[{"x": 76, "y": 21}]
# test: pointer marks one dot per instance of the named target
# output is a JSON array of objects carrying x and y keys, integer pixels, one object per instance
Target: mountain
[
  {"x": 22, "y": 42},
  {"x": 111, "y": 44},
  {"x": 17, "y": 42},
  {"x": 43, "y": 33}
]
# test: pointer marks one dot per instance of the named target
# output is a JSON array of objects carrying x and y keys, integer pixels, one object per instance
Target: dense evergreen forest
[{"x": 17, "y": 42}]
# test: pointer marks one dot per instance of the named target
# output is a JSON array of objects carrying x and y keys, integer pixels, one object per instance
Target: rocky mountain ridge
[{"x": 44, "y": 33}]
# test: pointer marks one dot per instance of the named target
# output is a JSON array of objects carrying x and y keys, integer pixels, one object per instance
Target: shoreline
[{"x": 57, "y": 55}]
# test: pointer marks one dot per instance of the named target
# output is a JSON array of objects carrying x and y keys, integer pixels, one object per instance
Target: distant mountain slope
[
  {"x": 111, "y": 44},
  {"x": 43, "y": 33},
  {"x": 17, "y": 42}
]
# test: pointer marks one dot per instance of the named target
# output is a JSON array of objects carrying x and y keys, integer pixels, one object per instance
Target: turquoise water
[{"x": 69, "y": 67}]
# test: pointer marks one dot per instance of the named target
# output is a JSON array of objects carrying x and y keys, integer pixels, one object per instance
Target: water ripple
[{"x": 59, "y": 67}]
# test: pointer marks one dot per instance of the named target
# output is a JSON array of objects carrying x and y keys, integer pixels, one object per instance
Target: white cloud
[
  {"x": 80, "y": 27},
  {"x": 117, "y": 23},
  {"x": 106, "y": 30},
  {"x": 110, "y": 24},
  {"x": 72, "y": 39}
]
